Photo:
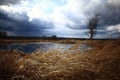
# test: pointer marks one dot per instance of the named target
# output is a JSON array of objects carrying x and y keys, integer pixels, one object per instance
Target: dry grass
[
  {"x": 100, "y": 63},
  {"x": 8, "y": 65}
]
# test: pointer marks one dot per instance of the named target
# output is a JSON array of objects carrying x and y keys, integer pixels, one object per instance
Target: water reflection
[{"x": 32, "y": 47}]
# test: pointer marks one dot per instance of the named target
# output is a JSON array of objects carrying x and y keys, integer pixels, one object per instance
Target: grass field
[{"x": 100, "y": 63}]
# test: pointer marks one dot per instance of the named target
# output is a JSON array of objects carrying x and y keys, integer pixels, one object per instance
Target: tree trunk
[{"x": 91, "y": 36}]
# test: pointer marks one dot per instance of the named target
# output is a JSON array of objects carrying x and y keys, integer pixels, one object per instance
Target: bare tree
[{"x": 92, "y": 25}]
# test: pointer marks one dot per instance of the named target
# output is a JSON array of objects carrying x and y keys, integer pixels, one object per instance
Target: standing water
[{"x": 43, "y": 46}]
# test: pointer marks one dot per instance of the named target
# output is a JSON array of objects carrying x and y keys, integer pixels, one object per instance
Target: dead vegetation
[{"x": 100, "y": 63}]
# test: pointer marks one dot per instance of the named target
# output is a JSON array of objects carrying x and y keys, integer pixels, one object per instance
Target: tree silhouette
[
  {"x": 3, "y": 33},
  {"x": 53, "y": 36},
  {"x": 92, "y": 25}
]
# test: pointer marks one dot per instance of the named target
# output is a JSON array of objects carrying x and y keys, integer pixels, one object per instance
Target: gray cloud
[
  {"x": 23, "y": 27},
  {"x": 109, "y": 14},
  {"x": 114, "y": 2},
  {"x": 76, "y": 17},
  {"x": 6, "y": 2},
  {"x": 45, "y": 24}
]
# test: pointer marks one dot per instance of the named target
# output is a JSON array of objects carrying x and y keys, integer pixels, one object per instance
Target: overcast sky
[{"x": 64, "y": 18}]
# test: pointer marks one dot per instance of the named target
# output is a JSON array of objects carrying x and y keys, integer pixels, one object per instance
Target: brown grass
[{"x": 100, "y": 63}]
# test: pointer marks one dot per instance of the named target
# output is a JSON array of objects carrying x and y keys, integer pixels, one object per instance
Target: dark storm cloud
[
  {"x": 6, "y": 22},
  {"x": 108, "y": 34},
  {"x": 6, "y": 2},
  {"x": 109, "y": 15},
  {"x": 45, "y": 24},
  {"x": 77, "y": 26},
  {"x": 28, "y": 33},
  {"x": 24, "y": 27}
]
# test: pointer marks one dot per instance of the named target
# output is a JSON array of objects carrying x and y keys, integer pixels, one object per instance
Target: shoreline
[{"x": 57, "y": 40}]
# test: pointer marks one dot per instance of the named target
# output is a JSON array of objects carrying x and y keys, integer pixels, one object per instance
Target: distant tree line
[
  {"x": 50, "y": 37},
  {"x": 3, "y": 33}
]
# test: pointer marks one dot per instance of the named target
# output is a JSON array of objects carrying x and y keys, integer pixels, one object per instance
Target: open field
[
  {"x": 102, "y": 62},
  {"x": 47, "y": 39},
  {"x": 30, "y": 39}
]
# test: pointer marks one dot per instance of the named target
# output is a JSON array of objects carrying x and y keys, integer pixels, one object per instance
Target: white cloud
[
  {"x": 46, "y": 10},
  {"x": 115, "y": 27}
]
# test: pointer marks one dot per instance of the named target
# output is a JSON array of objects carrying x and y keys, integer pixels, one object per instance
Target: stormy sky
[{"x": 63, "y": 18}]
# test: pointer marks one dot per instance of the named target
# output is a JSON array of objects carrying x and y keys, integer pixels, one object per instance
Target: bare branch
[{"x": 92, "y": 26}]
